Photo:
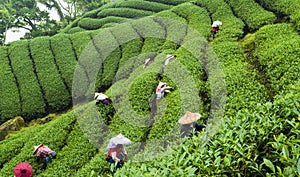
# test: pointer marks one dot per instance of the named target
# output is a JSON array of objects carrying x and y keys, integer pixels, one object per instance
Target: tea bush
[
  {"x": 32, "y": 102},
  {"x": 65, "y": 57},
  {"x": 93, "y": 24},
  {"x": 282, "y": 8},
  {"x": 252, "y": 13},
  {"x": 232, "y": 27},
  {"x": 276, "y": 50},
  {"x": 123, "y": 12},
  {"x": 144, "y": 5},
  {"x": 54, "y": 90},
  {"x": 10, "y": 99}
]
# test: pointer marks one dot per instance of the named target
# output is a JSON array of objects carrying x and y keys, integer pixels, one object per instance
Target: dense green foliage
[
  {"x": 291, "y": 8},
  {"x": 258, "y": 135},
  {"x": 252, "y": 13},
  {"x": 54, "y": 90},
  {"x": 31, "y": 96},
  {"x": 10, "y": 104}
]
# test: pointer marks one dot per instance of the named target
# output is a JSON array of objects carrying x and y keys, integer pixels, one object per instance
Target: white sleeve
[{"x": 114, "y": 156}]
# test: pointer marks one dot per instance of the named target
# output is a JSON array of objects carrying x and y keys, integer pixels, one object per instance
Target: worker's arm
[
  {"x": 125, "y": 154},
  {"x": 114, "y": 157}
]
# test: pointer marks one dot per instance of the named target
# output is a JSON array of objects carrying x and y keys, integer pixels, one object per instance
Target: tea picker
[
  {"x": 188, "y": 124},
  {"x": 102, "y": 98},
  {"x": 44, "y": 153},
  {"x": 116, "y": 151}
]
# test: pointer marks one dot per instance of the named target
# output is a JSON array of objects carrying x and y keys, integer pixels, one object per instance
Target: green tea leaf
[{"x": 269, "y": 164}]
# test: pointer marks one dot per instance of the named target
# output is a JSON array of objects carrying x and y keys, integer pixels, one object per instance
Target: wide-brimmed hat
[
  {"x": 96, "y": 95},
  {"x": 189, "y": 118},
  {"x": 36, "y": 148},
  {"x": 23, "y": 169},
  {"x": 160, "y": 85},
  {"x": 216, "y": 23},
  {"x": 119, "y": 139}
]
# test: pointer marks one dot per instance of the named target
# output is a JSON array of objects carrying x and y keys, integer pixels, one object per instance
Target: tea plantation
[{"x": 244, "y": 82}]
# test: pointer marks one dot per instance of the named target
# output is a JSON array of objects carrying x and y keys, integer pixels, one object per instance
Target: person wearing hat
[
  {"x": 102, "y": 98},
  {"x": 169, "y": 58},
  {"x": 23, "y": 169},
  {"x": 215, "y": 27},
  {"x": 44, "y": 153},
  {"x": 116, "y": 150},
  {"x": 188, "y": 124},
  {"x": 148, "y": 61},
  {"x": 161, "y": 89}
]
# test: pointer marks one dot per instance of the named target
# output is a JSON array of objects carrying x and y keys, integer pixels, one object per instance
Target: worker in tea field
[
  {"x": 148, "y": 61},
  {"x": 169, "y": 58},
  {"x": 161, "y": 89},
  {"x": 44, "y": 153},
  {"x": 116, "y": 151},
  {"x": 102, "y": 98},
  {"x": 189, "y": 124},
  {"x": 215, "y": 27}
]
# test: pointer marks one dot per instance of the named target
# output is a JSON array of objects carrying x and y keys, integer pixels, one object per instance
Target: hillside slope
[{"x": 245, "y": 85}]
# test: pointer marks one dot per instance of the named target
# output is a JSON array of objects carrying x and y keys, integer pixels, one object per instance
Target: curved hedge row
[
  {"x": 124, "y": 12},
  {"x": 197, "y": 17},
  {"x": 32, "y": 101},
  {"x": 54, "y": 90},
  {"x": 95, "y": 23},
  {"x": 9, "y": 98},
  {"x": 277, "y": 51},
  {"x": 65, "y": 57},
  {"x": 251, "y": 13},
  {"x": 144, "y": 5},
  {"x": 173, "y": 2},
  {"x": 287, "y": 7},
  {"x": 232, "y": 27}
]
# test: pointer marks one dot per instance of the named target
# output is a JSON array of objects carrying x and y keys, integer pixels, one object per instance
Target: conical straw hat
[
  {"x": 120, "y": 139},
  {"x": 36, "y": 148},
  {"x": 189, "y": 118}
]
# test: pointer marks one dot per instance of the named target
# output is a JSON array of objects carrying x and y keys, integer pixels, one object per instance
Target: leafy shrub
[
  {"x": 174, "y": 2},
  {"x": 270, "y": 43},
  {"x": 75, "y": 30},
  {"x": 144, "y": 5},
  {"x": 287, "y": 7},
  {"x": 64, "y": 56},
  {"x": 124, "y": 12},
  {"x": 32, "y": 102},
  {"x": 10, "y": 99},
  {"x": 197, "y": 17},
  {"x": 232, "y": 27},
  {"x": 252, "y": 13},
  {"x": 92, "y": 24},
  {"x": 53, "y": 87},
  {"x": 80, "y": 41},
  {"x": 242, "y": 86}
]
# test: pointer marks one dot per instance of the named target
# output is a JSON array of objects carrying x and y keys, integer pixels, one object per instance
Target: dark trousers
[{"x": 119, "y": 165}]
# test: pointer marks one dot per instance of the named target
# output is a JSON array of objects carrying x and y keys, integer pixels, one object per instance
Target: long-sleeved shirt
[{"x": 43, "y": 151}]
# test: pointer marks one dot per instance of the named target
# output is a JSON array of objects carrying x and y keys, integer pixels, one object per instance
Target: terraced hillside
[{"x": 245, "y": 83}]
